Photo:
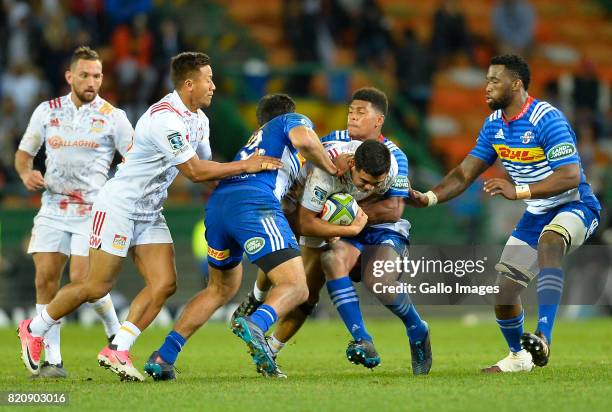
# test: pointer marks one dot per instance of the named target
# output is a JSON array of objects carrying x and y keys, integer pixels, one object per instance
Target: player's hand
[
  {"x": 257, "y": 163},
  {"x": 342, "y": 163},
  {"x": 500, "y": 187},
  {"x": 359, "y": 222},
  {"x": 33, "y": 180},
  {"x": 417, "y": 199}
]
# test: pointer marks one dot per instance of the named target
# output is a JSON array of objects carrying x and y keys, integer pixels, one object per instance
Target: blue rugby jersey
[
  {"x": 401, "y": 186},
  {"x": 272, "y": 139},
  {"x": 531, "y": 146}
]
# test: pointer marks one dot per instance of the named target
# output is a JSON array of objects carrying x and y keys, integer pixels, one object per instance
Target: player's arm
[
  {"x": 387, "y": 210},
  {"x": 453, "y": 184},
  {"x": 310, "y": 224},
  {"x": 198, "y": 170},
  {"x": 306, "y": 141},
  {"x": 32, "y": 179}
]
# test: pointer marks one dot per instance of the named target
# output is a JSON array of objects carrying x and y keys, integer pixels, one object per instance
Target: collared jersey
[
  {"x": 272, "y": 139},
  {"x": 166, "y": 135},
  {"x": 531, "y": 146},
  {"x": 80, "y": 144}
]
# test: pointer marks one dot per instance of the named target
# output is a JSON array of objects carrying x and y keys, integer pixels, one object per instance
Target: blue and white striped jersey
[
  {"x": 272, "y": 139},
  {"x": 531, "y": 146}
]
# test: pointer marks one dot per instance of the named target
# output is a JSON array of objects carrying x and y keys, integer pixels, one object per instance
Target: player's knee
[
  {"x": 96, "y": 290},
  {"x": 163, "y": 290},
  {"x": 333, "y": 266},
  {"x": 552, "y": 244},
  {"x": 46, "y": 283}
]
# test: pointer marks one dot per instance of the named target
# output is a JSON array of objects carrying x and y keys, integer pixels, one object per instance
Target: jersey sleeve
[
  {"x": 336, "y": 136},
  {"x": 124, "y": 132},
  {"x": 294, "y": 120},
  {"x": 400, "y": 184},
  {"x": 318, "y": 187},
  {"x": 484, "y": 148},
  {"x": 169, "y": 135},
  {"x": 34, "y": 136},
  {"x": 203, "y": 150},
  {"x": 557, "y": 139}
]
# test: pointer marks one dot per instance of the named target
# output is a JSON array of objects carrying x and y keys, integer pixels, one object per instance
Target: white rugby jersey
[
  {"x": 166, "y": 135},
  {"x": 319, "y": 185},
  {"x": 80, "y": 145}
]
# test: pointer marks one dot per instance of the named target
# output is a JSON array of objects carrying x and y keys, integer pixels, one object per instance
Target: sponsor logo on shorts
[
  {"x": 119, "y": 242},
  {"x": 176, "y": 141},
  {"x": 254, "y": 245},
  {"x": 592, "y": 228},
  {"x": 94, "y": 241},
  {"x": 320, "y": 194},
  {"x": 401, "y": 182},
  {"x": 561, "y": 151},
  {"x": 218, "y": 254}
]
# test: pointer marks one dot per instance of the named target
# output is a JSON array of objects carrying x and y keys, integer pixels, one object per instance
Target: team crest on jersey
[
  {"x": 175, "y": 140},
  {"x": 561, "y": 151},
  {"x": 254, "y": 245},
  {"x": 97, "y": 125},
  {"x": 499, "y": 134},
  {"x": 527, "y": 137},
  {"x": 119, "y": 242}
]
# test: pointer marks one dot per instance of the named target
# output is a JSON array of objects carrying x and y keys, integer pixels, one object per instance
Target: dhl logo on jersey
[
  {"x": 218, "y": 254},
  {"x": 519, "y": 155}
]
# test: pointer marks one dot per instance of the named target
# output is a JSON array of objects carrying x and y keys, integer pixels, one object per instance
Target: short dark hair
[
  {"x": 184, "y": 64},
  {"x": 83, "y": 53},
  {"x": 515, "y": 64},
  {"x": 377, "y": 97},
  {"x": 272, "y": 105},
  {"x": 373, "y": 157}
]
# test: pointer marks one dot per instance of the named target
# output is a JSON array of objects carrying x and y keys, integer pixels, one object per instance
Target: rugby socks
[
  {"x": 41, "y": 323},
  {"x": 264, "y": 317},
  {"x": 345, "y": 299},
  {"x": 53, "y": 354},
  {"x": 550, "y": 289},
  {"x": 106, "y": 311},
  {"x": 512, "y": 329},
  {"x": 127, "y": 335},
  {"x": 258, "y": 294},
  {"x": 275, "y": 344},
  {"x": 416, "y": 329},
  {"x": 172, "y": 346}
]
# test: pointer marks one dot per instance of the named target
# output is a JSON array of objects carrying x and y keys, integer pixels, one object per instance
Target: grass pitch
[{"x": 217, "y": 373}]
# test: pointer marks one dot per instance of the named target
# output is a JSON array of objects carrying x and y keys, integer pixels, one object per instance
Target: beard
[
  {"x": 84, "y": 98},
  {"x": 501, "y": 103}
]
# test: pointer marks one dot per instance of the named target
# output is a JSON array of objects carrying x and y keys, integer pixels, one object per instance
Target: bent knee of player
[
  {"x": 95, "y": 290},
  {"x": 164, "y": 290},
  {"x": 333, "y": 266}
]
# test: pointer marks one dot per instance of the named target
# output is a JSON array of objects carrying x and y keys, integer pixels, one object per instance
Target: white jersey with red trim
[
  {"x": 80, "y": 145},
  {"x": 167, "y": 135}
]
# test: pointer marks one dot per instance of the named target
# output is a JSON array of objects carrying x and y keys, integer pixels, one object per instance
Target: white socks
[
  {"x": 125, "y": 338},
  {"x": 41, "y": 324},
  {"x": 53, "y": 354},
  {"x": 275, "y": 344},
  {"x": 106, "y": 311},
  {"x": 258, "y": 294}
]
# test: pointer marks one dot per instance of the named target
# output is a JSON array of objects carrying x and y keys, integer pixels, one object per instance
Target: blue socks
[
  {"x": 512, "y": 329},
  {"x": 264, "y": 317},
  {"x": 416, "y": 329},
  {"x": 345, "y": 299},
  {"x": 550, "y": 289},
  {"x": 172, "y": 346}
]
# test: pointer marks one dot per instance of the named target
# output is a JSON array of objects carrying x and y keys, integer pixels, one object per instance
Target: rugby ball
[{"x": 340, "y": 209}]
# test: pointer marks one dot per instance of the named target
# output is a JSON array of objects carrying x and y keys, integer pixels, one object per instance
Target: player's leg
[
  {"x": 567, "y": 231},
  {"x": 398, "y": 303},
  {"x": 336, "y": 263},
  {"x": 222, "y": 286},
  {"x": 255, "y": 297},
  {"x": 79, "y": 264}
]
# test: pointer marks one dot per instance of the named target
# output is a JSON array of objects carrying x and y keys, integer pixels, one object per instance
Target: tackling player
[
  {"x": 171, "y": 137},
  {"x": 537, "y": 147},
  {"x": 81, "y": 132}
]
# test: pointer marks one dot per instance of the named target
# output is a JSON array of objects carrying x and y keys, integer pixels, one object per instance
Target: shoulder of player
[
  {"x": 543, "y": 112},
  {"x": 336, "y": 136}
]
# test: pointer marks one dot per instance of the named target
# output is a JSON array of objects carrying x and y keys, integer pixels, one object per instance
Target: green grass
[{"x": 217, "y": 374}]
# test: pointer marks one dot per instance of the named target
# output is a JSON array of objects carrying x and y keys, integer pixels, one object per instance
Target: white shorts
[
  {"x": 115, "y": 233},
  {"x": 64, "y": 234}
]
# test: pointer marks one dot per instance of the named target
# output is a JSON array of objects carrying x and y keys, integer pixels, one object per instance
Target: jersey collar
[
  {"x": 522, "y": 112},
  {"x": 180, "y": 106},
  {"x": 94, "y": 104}
]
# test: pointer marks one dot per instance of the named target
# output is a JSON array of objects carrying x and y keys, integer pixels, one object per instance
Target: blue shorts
[
  {"x": 245, "y": 219},
  {"x": 373, "y": 236},
  {"x": 529, "y": 228}
]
